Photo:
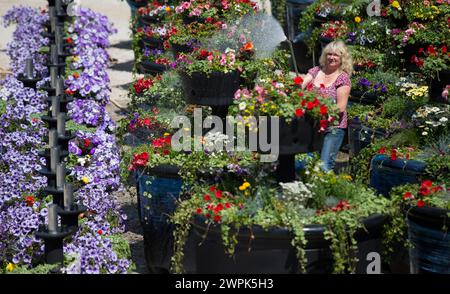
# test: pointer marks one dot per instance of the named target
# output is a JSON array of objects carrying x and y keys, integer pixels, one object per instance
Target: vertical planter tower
[{"x": 63, "y": 213}]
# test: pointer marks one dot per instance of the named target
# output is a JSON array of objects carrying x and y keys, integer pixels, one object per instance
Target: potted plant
[
  {"x": 161, "y": 173},
  {"x": 303, "y": 114},
  {"x": 426, "y": 206},
  {"x": 154, "y": 13},
  {"x": 211, "y": 77},
  {"x": 260, "y": 225}
]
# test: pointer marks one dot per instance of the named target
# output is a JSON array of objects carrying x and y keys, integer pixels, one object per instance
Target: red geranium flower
[
  {"x": 29, "y": 200},
  {"x": 393, "y": 154},
  {"x": 299, "y": 112},
  {"x": 323, "y": 110},
  {"x": 298, "y": 80},
  {"x": 420, "y": 203},
  {"x": 207, "y": 197}
]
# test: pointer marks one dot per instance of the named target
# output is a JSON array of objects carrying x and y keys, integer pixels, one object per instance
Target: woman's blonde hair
[{"x": 340, "y": 48}]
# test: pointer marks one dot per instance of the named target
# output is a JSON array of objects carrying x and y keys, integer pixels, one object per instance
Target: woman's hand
[
  {"x": 308, "y": 78},
  {"x": 445, "y": 92},
  {"x": 342, "y": 97}
]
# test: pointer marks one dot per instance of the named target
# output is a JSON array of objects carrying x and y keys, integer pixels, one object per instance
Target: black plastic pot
[
  {"x": 154, "y": 43},
  {"x": 190, "y": 19},
  {"x": 271, "y": 252},
  {"x": 149, "y": 20},
  {"x": 300, "y": 135},
  {"x": 177, "y": 48},
  {"x": 361, "y": 136},
  {"x": 164, "y": 186},
  {"x": 215, "y": 89},
  {"x": 138, "y": 3},
  {"x": 148, "y": 67},
  {"x": 428, "y": 233},
  {"x": 366, "y": 98}
]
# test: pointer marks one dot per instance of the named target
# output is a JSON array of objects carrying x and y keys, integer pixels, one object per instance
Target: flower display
[{"x": 284, "y": 98}]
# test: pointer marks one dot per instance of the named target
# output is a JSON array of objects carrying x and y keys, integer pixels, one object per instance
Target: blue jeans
[{"x": 331, "y": 145}]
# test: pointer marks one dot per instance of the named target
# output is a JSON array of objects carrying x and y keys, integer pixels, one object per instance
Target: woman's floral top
[{"x": 331, "y": 91}]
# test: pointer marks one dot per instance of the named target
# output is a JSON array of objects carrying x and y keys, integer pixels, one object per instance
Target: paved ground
[{"x": 120, "y": 74}]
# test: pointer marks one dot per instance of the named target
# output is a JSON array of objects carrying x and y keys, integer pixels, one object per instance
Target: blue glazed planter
[
  {"x": 386, "y": 173},
  {"x": 158, "y": 191}
]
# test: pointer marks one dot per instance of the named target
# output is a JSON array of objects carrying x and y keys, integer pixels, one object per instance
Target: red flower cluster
[
  {"x": 138, "y": 160},
  {"x": 342, "y": 205},
  {"x": 426, "y": 190},
  {"x": 148, "y": 122},
  {"x": 29, "y": 200},
  {"x": 162, "y": 145},
  {"x": 396, "y": 154},
  {"x": 142, "y": 84},
  {"x": 211, "y": 208},
  {"x": 431, "y": 51}
]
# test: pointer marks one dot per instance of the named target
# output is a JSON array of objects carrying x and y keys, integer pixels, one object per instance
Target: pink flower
[
  {"x": 223, "y": 60},
  {"x": 426, "y": 2},
  {"x": 210, "y": 58}
]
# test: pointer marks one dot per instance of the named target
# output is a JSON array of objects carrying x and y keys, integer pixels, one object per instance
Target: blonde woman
[{"x": 332, "y": 79}]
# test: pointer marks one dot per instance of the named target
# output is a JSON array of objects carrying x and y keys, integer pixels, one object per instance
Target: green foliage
[
  {"x": 120, "y": 246},
  {"x": 41, "y": 269},
  {"x": 263, "y": 207},
  {"x": 2, "y": 107},
  {"x": 74, "y": 127}
]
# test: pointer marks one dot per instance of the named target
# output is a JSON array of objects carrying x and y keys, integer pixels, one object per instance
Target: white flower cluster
[
  {"x": 432, "y": 117},
  {"x": 297, "y": 193},
  {"x": 215, "y": 141}
]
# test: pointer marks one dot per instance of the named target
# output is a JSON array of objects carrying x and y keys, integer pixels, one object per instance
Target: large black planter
[
  {"x": 361, "y": 136},
  {"x": 215, "y": 89},
  {"x": 163, "y": 186},
  {"x": 428, "y": 233},
  {"x": 271, "y": 252},
  {"x": 149, "y": 67},
  {"x": 437, "y": 86}
]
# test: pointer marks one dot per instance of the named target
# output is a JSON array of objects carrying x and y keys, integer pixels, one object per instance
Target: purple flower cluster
[
  {"x": 367, "y": 85},
  {"x": 92, "y": 114},
  {"x": 27, "y": 39},
  {"x": 89, "y": 34}
]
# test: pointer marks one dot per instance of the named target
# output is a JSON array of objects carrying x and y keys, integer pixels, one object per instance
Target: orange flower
[{"x": 248, "y": 46}]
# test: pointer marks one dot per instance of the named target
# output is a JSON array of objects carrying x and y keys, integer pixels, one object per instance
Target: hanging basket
[
  {"x": 214, "y": 89},
  {"x": 300, "y": 135}
]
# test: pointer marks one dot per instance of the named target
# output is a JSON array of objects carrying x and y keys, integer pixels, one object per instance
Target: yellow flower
[
  {"x": 347, "y": 177},
  {"x": 244, "y": 186},
  {"x": 85, "y": 180},
  {"x": 166, "y": 134},
  {"x": 168, "y": 9},
  {"x": 10, "y": 267},
  {"x": 395, "y": 4},
  {"x": 75, "y": 58},
  {"x": 357, "y": 19}
]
